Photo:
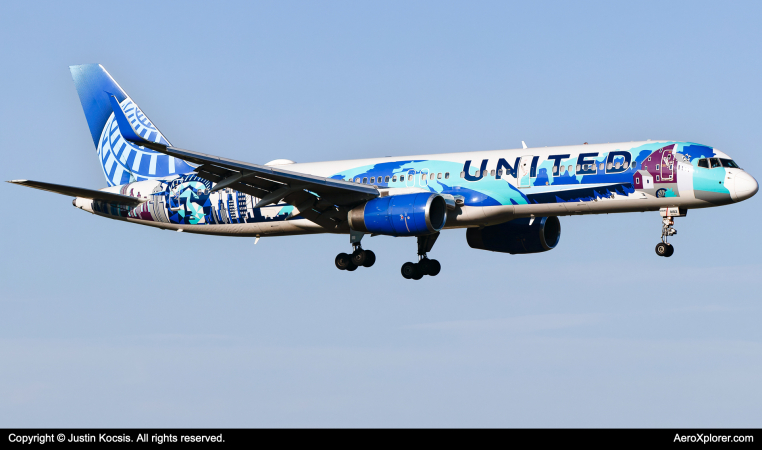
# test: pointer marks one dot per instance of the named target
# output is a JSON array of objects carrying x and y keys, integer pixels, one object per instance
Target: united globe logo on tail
[{"x": 124, "y": 162}]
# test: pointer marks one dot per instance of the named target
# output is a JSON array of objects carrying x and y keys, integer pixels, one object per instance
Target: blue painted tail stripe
[{"x": 92, "y": 82}]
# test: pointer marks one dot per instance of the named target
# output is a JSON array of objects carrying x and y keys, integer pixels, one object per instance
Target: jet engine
[
  {"x": 401, "y": 215},
  {"x": 517, "y": 236}
]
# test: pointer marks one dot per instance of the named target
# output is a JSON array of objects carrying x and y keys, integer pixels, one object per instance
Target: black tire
[
  {"x": 418, "y": 272},
  {"x": 434, "y": 267},
  {"x": 670, "y": 250},
  {"x": 424, "y": 266},
  {"x": 343, "y": 261},
  {"x": 358, "y": 257},
  {"x": 370, "y": 258},
  {"x": 661, "y": 249},
  {"x": 351, "y": 268},
  {"x": 409, "y": 270}
]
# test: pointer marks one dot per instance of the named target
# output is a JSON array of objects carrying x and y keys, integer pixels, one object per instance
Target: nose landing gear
[
  {"x": 424, "y": 266},
  {"x": 664, "y": 248}
]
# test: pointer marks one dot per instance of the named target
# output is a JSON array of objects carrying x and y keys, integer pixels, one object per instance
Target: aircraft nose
[{"x": 744, "y": 186}]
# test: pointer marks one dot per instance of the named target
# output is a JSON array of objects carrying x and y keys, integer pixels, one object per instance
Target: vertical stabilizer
[{"x": 122, "y": 161}]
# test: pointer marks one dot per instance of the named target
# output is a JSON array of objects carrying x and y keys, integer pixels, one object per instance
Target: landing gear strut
[
  {"x": 358, "y": 257},
  {"x": 424, "y": 266},
  {"x": 664, "y": 248}
]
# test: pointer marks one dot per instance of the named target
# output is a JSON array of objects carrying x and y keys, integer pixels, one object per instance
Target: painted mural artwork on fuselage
[{"x": 509, "y": 200}]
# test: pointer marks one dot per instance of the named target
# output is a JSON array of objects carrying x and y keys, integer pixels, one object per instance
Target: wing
[
  {"x": 80, "y": 192},
  {"x": 324, "y": 201}
]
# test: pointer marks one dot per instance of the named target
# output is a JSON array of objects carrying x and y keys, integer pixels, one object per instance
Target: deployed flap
[
  {"x": 80, "y": 192},
  {"x": 274, "y": 179},
  {"x": 270, "y": 184},
  {"x": 267, "y": 181}
]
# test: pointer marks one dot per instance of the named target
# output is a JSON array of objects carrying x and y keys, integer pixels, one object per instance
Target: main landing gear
[
  {"x": 358, "y": 258},
  {"x": 664, "y": 248},
  {"x": 424, "y": 266}
]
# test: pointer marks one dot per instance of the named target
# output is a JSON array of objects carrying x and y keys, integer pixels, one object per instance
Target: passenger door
[
  {"x": 424, "y": 175},
  {"x": 523, "y": 175},
  {"x": 667, "y": 170},
  {"x": 410, "y": 178}
]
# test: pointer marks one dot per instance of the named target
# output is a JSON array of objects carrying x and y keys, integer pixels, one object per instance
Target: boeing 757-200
[{"x": 509, "y": 200}]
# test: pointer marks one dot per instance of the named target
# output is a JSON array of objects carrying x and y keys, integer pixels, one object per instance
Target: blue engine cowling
[
  {"x": 401, "y": 215},
  {"x": 517, "y": 236}
]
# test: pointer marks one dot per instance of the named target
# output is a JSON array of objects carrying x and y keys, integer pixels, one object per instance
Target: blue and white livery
[{"x": 509, "y": 200}]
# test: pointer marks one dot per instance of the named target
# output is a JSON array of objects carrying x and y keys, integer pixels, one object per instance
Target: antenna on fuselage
[{"x": 523, "y": 145}]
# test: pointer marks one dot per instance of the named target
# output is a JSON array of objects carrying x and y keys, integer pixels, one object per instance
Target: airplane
[{"x": 509, "y": 200}]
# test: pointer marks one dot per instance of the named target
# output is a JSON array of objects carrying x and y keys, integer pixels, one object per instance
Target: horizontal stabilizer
[{"x": 80, "y": 192}]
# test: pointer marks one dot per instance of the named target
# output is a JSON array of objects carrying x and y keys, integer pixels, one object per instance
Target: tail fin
[{"x": 122, "y": 161}]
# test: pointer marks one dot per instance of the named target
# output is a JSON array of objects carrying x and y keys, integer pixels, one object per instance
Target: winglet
[
  {"x": 523, "y": 145},
  {"x": 125, "y": 127}
]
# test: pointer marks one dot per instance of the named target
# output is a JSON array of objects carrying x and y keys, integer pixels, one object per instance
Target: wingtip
[{"x": 17, "y": 181}]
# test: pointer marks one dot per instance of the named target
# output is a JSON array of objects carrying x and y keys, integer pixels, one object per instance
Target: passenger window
[
  {"x": 555, "y": 170},
  {"x": 365, "y": 181},
  {"x": 357, "y": 180},
  {"x": 423, "y": 177},
  {"x": 609, "y": 166},
  {"x": 579, "y": 167},
  {"x": 563, "y": 169},
  {"x": 432, "y": 176},
  {"x": 715, "y": 162},
  {"x": 617, "y": 165},
  {"x": 463, "y": 174},
  {"x": 500, "y": 173},
  {"x": 601, "y": 167},
  {"x": 394, "y": 179},
  {"x": 626, "y": 164},
  {"x": 409, "y": 178},
  {"x": 439, "y": 176},
  {"x": 372, "y": 180},
  {"x": 492, "y": 173},
  {"x": 447, "y": 175},
  {"x": 477, "y": 174},
  {"x": 703, "y": 163},
  {"x": 386, "y": 180},
  {"x": 569, "y": 169}
]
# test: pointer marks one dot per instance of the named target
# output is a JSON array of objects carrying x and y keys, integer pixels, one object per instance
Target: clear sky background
[{"x": 104, "y": 323}]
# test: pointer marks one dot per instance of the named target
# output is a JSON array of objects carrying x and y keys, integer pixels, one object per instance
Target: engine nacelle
[
  {"x": 517, "y": 236},
  {"x": 401, "y": 215}
]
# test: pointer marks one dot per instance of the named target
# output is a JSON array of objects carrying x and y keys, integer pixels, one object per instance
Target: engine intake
[
  {"x": 401, "y": 215},
  {"x": 517, "y": 236}
]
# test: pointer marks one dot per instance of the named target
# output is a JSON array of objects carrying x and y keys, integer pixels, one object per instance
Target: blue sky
[{"x": 105, "y": 323}]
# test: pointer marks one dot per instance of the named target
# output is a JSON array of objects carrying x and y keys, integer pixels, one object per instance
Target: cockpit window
[
  {"x": 703, "y": 163},
  {"x": 729, "y": 163},
  {"x": 715, "y": 162}
]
